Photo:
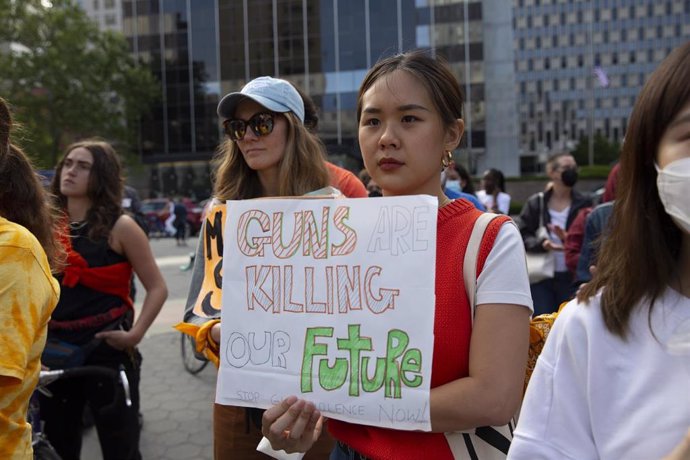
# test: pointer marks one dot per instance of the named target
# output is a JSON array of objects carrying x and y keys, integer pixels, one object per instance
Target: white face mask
[
  {"x": 673, "y": 183},
  {"x": 454, "y": 185}
]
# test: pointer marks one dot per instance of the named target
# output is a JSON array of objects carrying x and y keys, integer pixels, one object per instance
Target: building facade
[
  {"x": 581, "y": 63},
  {"x": 203, "y": 49},
  {"x": 106, "y": 13}
]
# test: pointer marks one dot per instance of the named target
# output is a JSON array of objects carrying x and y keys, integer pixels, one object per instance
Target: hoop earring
[{"x": 447, "y": 158}]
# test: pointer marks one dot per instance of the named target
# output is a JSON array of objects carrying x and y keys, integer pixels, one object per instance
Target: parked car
[{"x": 157, "y": 211}]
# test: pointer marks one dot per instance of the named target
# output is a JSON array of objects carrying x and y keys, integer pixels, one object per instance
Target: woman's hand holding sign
[{"x": 294, "y": 425}]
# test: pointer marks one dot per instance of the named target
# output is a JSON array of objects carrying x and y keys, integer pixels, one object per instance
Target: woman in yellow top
[{"x": 28, "y": 292}]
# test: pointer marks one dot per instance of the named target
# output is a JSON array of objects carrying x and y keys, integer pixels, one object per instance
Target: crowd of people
[{"x": 611, "y": 381}]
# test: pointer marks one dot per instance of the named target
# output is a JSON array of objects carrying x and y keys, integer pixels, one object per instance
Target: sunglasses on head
[{"x": 261, "y": 124}]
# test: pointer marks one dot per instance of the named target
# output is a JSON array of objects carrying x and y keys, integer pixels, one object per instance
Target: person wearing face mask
[
  {"x": 457, "y": 183},
  {"x": 494, "y": 195},
  {"x": 561, "y": 204},
  {"x": 612, "y": 379}
]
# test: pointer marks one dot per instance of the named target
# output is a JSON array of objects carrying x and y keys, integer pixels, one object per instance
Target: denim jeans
[
  {"x": 338, "y": 453},
  {"x": 547, "y": 295}
]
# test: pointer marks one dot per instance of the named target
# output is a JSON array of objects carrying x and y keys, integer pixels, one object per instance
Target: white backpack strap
[{"x": 469, "y": 268}]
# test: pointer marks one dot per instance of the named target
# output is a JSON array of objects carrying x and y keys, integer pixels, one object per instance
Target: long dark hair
[
  {"x": 433, "y": 73},
  {"x": 23, "y": 200},
  {"x": 640, "y": 255},
  {"x": 498, "y": 177},
  {"x": 104, "y": 189}
]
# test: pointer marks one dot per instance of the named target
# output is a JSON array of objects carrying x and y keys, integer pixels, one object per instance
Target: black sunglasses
[{"x": 261, "y": 124}]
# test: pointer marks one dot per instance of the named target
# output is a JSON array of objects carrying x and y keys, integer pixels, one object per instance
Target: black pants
[
  {"x": 117, "y": 426},
  {"x": 180, "y": 230}
]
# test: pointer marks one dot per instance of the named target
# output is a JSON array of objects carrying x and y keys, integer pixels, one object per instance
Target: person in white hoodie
[{"x": 613, "y": 380}]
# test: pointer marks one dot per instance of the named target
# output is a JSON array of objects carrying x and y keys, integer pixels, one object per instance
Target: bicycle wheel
[
  {"x": 191, "y": 363},
  {"x": 44, "y": 451}
]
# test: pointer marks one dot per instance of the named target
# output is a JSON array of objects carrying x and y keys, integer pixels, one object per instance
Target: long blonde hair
[{"x": 302, "y": 168}]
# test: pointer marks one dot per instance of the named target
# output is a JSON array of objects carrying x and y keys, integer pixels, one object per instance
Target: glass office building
[
  {"x": 203, "y": 49},
  {"x": 581, "y": 64}
]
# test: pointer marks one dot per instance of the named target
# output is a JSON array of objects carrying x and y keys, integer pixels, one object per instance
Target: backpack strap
[{"x": 469, "y": 267}]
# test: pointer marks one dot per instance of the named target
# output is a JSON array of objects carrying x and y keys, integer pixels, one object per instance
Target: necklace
[{"x": 444, "y": 201}]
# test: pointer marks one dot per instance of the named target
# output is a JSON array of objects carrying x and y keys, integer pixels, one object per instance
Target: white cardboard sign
[{"x": 331, "y": 300}]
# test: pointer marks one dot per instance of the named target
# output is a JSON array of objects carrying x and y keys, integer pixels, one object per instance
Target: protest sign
[{"x": 331, "y": 300}]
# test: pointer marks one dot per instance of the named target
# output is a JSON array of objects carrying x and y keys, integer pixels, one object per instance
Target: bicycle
[
  {"x": 192, "y": 361},
  {"x": 42, "y": 448}
]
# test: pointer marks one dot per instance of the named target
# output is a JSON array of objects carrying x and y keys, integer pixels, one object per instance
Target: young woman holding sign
[
  {"x": 270, "y": 151},
  {"x": 410, "y": 119}
]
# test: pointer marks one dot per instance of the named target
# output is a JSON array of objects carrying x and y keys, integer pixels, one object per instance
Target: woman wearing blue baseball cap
[{"x": 270, "y": 150}]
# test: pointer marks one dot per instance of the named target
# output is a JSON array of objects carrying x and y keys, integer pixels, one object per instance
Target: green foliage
[
  {"x": 515, "y": 207},
  {"x": 67, "y": 80},
  {"x": 605, "y": 151},
  {"x": 595, "y": 171}
]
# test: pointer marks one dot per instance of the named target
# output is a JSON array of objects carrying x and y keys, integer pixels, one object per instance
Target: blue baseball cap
[{"x": 273, "y": 93}]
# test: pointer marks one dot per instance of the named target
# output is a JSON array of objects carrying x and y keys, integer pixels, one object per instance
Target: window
[
  {"x": 96, "y": 4},
  {"x": 109, "y": 4}
]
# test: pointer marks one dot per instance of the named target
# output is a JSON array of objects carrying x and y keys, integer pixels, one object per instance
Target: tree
[
  {"x": 605, "y": 151},
  {"x": 67, "y": 80}
]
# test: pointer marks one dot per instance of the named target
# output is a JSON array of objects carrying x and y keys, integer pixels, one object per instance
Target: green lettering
[
  {"x": 311, "y": 349},
  {"x": 411, "y": 362},
  {"x": 332, "y": 378},
  {"x": 355, "y": 344},
  {"x": 393, "y": 352},
  {"x": 375, "y": 384}
]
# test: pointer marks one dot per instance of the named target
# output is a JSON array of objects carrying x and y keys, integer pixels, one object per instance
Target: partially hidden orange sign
[{"x": 209, "y": 299}]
